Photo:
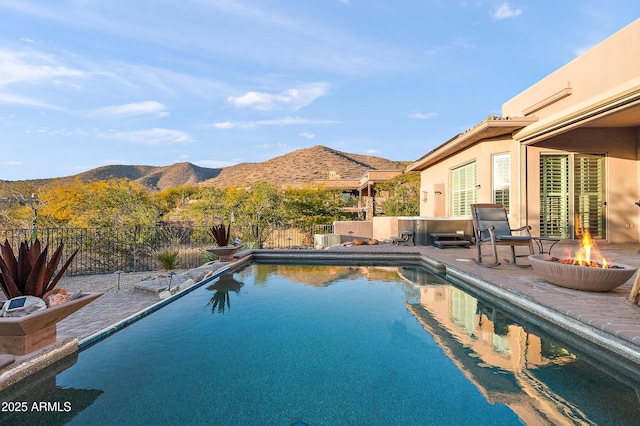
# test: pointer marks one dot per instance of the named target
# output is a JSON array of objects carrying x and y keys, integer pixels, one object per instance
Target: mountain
[{"x": 302, "y": 166}]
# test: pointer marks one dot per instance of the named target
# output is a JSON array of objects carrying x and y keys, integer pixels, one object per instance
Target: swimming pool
[{"x": 288, "y": 344}]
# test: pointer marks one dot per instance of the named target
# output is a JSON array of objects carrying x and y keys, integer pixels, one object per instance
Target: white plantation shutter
[
  {"x": 572, "y": 186},
  {"x": 589, "y": 194},
  {"x": 501, "y": 179},
  {"x": 463, "y": 189}
]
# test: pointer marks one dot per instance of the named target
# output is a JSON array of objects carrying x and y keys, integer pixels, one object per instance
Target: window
[
  {"x": 572, "y": 195},
  {"x": 501, "y": 179},
  {"x": 463, "y": 189},
  {"x": 588, "y": 194},
  {"x": 554, "y": 196}
]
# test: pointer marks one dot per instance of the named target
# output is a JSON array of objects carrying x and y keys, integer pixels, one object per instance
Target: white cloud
[
  {"x": 423, "y": 115},
  {"x": 224, "y": 125},
  {"x": 292, "y": 99},
  {"x": 372, "y": 152},
  {"x": 30, "y": 66},
  {"x": 12, "y": 163},
  {"x": 139, "y": 108},
  {"x": 505, "y": 11},
  {"x": 285, "y": 121},
  {"x": 6, "y": 98},
  {"x": 155, "y": 137},
  {"x": 306, "y": 135}
]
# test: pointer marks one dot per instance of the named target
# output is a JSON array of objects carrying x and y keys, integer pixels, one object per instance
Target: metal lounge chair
[{"x": 491, "y": 227}]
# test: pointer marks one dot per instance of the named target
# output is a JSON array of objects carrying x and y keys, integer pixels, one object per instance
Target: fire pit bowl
[{"x": 577, "y": 277}]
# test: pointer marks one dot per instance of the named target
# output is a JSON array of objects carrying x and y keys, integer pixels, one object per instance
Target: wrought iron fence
[
  {"x": 135, "y": 249},
  {"x": 323, "y": 229}
]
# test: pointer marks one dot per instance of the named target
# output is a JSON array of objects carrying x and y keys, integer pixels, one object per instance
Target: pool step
[{"x": 447, "y": 240}]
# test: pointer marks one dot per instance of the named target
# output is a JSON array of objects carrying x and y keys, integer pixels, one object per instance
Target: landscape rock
[
  {"x": 186, "y": 284},
  {"x": 57, "y": 299},
  {"x": 54, "y": 291}
]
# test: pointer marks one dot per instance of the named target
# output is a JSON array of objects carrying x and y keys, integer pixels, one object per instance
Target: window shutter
[
  {"x": 554, "y": 196},
  {"x": 588, "y": 194},
  {"x": 463, "y": 189},
  {"x": 501, "y": 179}
]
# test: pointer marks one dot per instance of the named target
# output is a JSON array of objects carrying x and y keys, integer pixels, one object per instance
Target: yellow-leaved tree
[{"x": 112, "y": 202}]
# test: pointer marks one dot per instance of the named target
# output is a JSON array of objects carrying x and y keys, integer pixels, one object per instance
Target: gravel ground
[{"x": 106, "y": 282}]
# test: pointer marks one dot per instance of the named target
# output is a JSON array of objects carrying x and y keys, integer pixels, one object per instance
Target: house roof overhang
[
  {"x": 619, "y": 107},
  {"x": 486, "y": 129}
]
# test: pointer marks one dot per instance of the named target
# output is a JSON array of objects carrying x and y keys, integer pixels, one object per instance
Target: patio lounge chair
[{"x": 491, "y": 227}]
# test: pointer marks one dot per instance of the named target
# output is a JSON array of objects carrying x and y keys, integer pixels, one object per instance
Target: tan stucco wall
[
  {"x": 358, "y": 229},
  {"x": 608, "y": 71},
  {"x": 437, "y": 178},
  {"x": 610, "y": 66},
  {"x": 385, "y": 228},
  {"x": 621, "y": 176},
  {"x": 567, "y": 105}
]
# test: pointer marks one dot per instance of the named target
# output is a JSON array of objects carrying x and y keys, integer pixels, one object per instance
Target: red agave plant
[{"x": 30, "y": 274}]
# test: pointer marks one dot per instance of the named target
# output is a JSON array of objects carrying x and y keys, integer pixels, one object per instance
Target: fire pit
[{"x": 587, "y": 270}]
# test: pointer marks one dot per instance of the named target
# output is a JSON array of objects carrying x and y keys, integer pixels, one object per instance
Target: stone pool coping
[{"x": 607, "y": 321}]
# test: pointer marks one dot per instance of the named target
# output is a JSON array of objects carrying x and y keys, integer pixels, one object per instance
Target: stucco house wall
[
  {"x": 621, "y": 176},
  {"x": 589, "y": 106},
  {"x": 437, "y": 178}
]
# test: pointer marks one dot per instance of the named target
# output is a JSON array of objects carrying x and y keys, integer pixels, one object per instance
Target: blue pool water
[{"x": 329, "y": 345}]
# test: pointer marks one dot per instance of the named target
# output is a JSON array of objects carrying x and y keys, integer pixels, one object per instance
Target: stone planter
[
  {"x": 225, "y": 253},
  {"x": 22, "y": 335},
  {"x": 581, "y": 277}
]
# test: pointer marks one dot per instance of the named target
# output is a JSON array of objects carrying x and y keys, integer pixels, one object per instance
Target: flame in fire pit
[{"x": 586, "y": 254}]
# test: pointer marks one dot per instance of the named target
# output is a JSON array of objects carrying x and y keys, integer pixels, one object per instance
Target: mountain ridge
[{"x": 300, "y": 166}]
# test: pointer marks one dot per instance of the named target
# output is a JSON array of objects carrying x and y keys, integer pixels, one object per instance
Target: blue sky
[{"x": 85, "y": 84}]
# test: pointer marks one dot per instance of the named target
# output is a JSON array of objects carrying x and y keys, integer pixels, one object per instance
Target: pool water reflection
[{"x": 280, "y": 344}]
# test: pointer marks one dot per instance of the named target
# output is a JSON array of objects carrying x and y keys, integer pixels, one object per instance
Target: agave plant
[
  {"x": 168, "y": 260},
  {"x": 30, "y": 274},
  {"x": 220, "y": 234}
]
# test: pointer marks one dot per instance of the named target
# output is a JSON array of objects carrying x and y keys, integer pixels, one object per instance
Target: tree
[
  {"x": 174, "y": 199},
  {"x": 311, "y": 205},
  {"x": 404, "y": 195},
  {"x": 257, "y": 212},
  {"x": 205, "y": 206},
  {"x": 104, "y": 203},
  {"x": 20, "y": 206}
]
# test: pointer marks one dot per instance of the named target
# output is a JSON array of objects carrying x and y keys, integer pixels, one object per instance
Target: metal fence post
[{"x": 135, "y": 248}]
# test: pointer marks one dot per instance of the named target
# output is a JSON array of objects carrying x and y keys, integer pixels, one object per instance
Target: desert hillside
[{"x": 302, "y": 166}]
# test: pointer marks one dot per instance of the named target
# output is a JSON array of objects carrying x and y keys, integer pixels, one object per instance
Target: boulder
[
  {"x": 186, "y": 284},
  {"x": 57, "y": 299},
  {"x": 54, "y": 291}
]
